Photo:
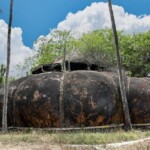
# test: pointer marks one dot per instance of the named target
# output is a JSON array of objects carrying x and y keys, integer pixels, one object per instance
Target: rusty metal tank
[
  {"x": 85, "y": 95},
  {"x": 139, "y": 99}
]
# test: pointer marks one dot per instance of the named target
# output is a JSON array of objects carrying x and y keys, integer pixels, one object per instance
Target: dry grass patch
[
  {"x": 100, "y": 138},
  {"x": 73, "y": 138}
]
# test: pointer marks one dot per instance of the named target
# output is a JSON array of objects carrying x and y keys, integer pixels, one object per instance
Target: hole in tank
[{"x": 70, "y": 66}]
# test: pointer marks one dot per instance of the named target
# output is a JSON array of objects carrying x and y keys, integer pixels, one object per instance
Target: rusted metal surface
[
  {"x": 76, "y": 99},
  {"x": 139, "y": 100},
  {"x": 12, "y": 90},
  {"x": 90, "y": 99},
  {"x": 37, "y": 101}
]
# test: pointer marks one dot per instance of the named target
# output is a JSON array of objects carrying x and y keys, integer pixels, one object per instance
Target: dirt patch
[
  {"x": 143, "y": 144},
  {"x": 29, "y": 146},
  {"x": 34, "y": 146}
]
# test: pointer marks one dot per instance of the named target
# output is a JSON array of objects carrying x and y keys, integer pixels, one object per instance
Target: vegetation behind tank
[{"x": 97, "y": 47}]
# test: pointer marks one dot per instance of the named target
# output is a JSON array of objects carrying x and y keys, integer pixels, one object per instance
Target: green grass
[{"x": 73, "y": 138}]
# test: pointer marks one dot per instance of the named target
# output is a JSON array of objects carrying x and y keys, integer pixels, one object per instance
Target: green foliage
[
  {"x": 97, "y": 46},
  {"x": 2, "y": 72},
  {"x": 46, "y": 54},
  {"x": 54, "y": 49},
  {"x": 135, "y": 51}
]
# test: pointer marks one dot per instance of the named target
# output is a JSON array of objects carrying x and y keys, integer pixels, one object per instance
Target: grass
[{"x": 73, "y": 138}]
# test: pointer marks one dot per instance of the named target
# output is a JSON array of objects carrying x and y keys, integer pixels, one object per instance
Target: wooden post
[
  {"x": 4, "y": 117},
  {"x": 128, "y": 124}
]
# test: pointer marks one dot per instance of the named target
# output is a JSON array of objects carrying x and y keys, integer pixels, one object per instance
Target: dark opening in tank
[
  {"x": 78, "y": 66},
  {"x": 70, "y": 66}
]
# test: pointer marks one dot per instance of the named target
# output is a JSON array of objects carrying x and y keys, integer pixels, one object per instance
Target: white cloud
[
  {"x": 18, "y": 50},
  {"x": 92, "y": 17},
  {"x": 97, "y": 16}
]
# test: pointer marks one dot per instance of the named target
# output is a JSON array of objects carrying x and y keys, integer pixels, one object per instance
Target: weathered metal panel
[
  {"x": 37, "y": 101},
  {"x": 90, "y": 99},
  {"x": 12, "y": 89},
  {"x": 73, "y": 99},
  {"x": 139, "y": 100}
]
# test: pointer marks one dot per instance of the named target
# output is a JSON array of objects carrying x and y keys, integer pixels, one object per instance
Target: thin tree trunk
[
  {"x": 4, "y": 118},
  {"x": 128, "y": 124},
  {"x": 64, "y": 57}
]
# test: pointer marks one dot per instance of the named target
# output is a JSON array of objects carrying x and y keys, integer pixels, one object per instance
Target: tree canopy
[
  {"x": 2, "y": 72},
  {"x": 98, "y": 46},
  {"x": 135, "y": 52}
]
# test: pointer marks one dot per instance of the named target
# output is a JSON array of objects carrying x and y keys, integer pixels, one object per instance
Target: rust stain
[
  {"x": 118, "y": 117},
  {"x": 48, "y": 116},
  {"x": 36, "y": 95},
  {"x": 81, "y": 118},
  {"x": 91, "y": 123},
  {"x": 37, "y": 109},
  {"x": 100, "y": 119},
  {"x": 57, "y": 123}
]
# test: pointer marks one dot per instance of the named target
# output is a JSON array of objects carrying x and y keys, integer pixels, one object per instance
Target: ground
[
  {"x": 32, "y": 140},
  {"x": 143, "y": 144}
]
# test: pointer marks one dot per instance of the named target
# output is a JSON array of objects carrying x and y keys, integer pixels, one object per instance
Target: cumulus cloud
[
  {"x": 97, "y": 16},
  {"x": 18, "y": 50},
  {"x": 91, "y": 18}
]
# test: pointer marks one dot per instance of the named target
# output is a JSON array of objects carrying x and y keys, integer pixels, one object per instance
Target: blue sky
[{"x": 37, "y": 17}]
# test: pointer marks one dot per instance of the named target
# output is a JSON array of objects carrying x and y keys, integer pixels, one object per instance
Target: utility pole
[
  {"x": 4, "y": 117},
  {"x": 128, "y": 124}
]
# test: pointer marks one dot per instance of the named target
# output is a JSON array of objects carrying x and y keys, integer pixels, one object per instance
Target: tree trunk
[
  {"x": 4, "y": 117},
  {"x": 64, "y": 57},
  {"x": 128, "y": 124}
]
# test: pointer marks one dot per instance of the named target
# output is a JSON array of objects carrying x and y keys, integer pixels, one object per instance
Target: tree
[
  {"x": 2, "y": 72},
  {"x": 135, "y": 51},
  {"x": 97, "y": 46},
  {"x": 62, "y": 39},
  {"x": 55, "y": 48},
  {"x": 4, "y": 117},
  {"x": 46, "y": 54},
  {"x": 121, "y": 80}
]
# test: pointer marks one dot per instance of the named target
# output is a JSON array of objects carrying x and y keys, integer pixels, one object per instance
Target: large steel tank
[{"x": 74, "y": 98}]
